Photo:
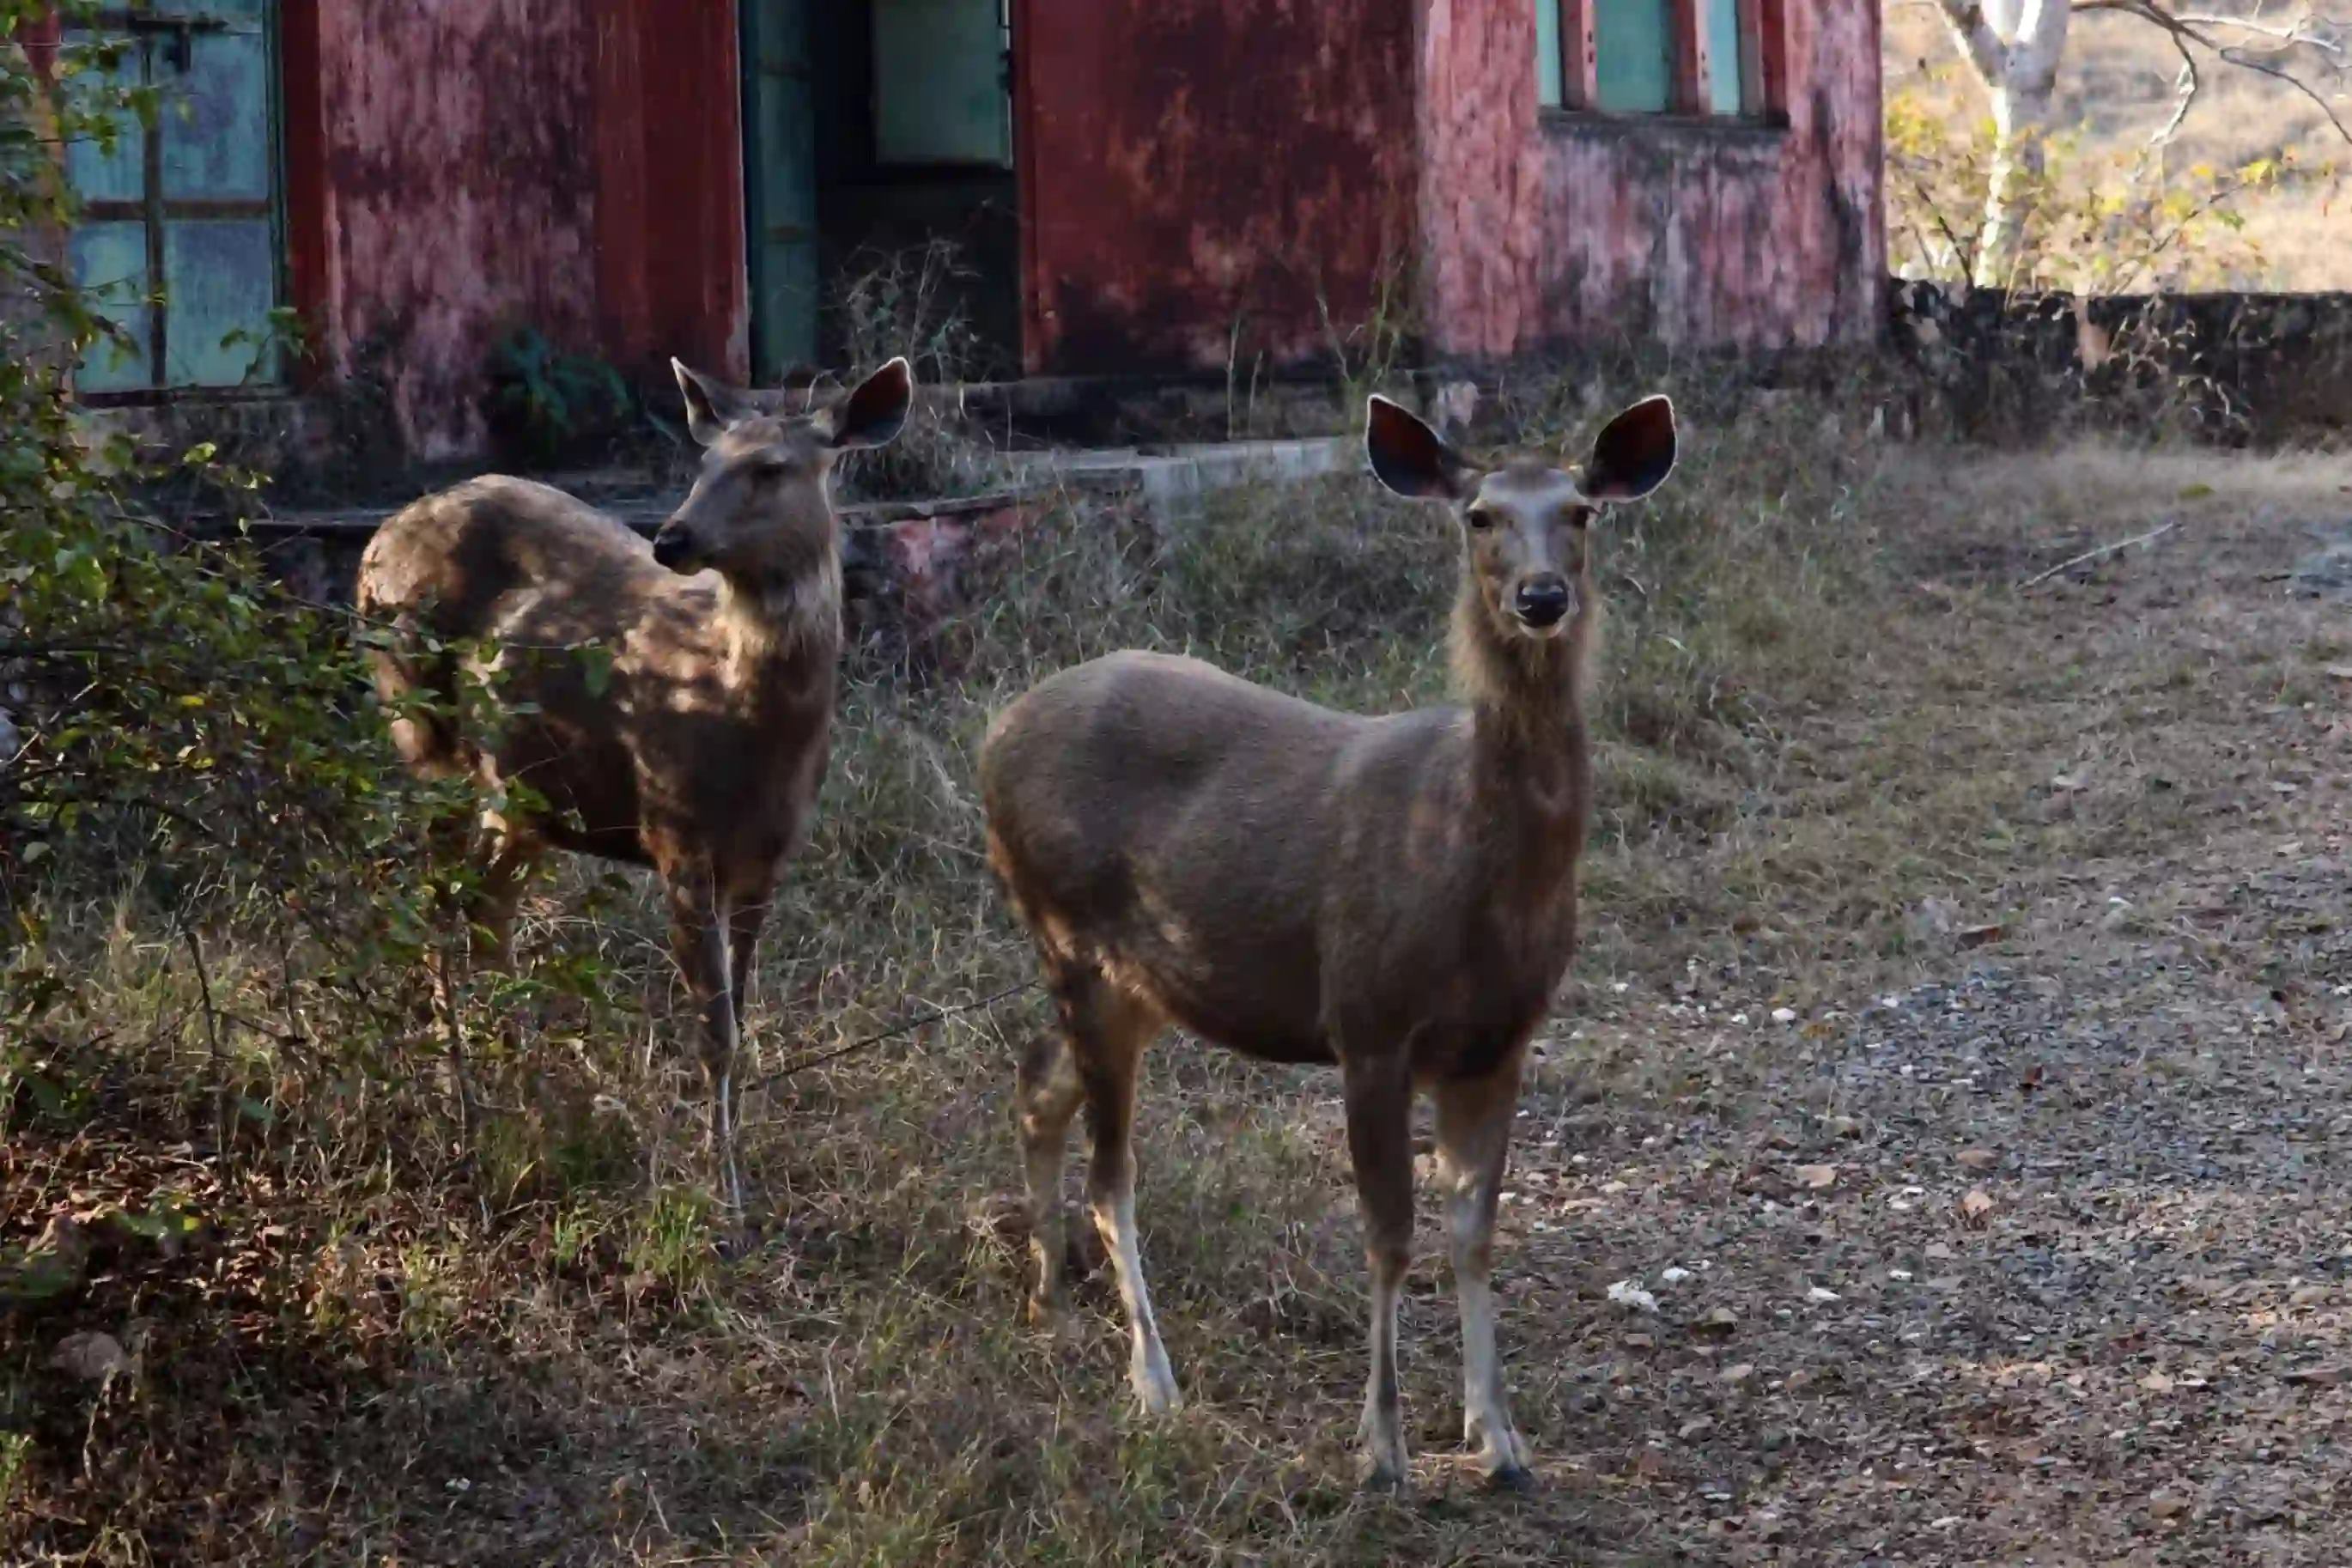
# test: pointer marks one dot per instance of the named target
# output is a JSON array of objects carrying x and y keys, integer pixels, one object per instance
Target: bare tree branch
[
  {"x": 2240, "y": 59},
  {"x": 1978, "y": 42},
  {"x": 2198, "y": 29},
  {"x": 2295, "y": 37},
  {"x": 2184, "y": 90}
]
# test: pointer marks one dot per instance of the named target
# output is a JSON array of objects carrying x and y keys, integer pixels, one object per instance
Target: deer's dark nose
[
  {"x": 671, "y": 547},
  {"x": 1542, "y": 601}
]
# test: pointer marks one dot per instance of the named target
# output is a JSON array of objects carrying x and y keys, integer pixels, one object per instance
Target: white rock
[
  {"x": 1818, "y": 1295},
  {"x": 1675, "y": 1276},
  {"x": 1632, "y": 1297}
]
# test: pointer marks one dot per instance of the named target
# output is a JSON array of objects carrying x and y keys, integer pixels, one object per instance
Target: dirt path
[
  {"x": 1955, "y": 1088},
  {"x": 2050, "y": 1262}
]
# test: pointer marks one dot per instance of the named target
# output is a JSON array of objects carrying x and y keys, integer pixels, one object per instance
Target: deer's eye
[{"x": 1480, "y": 519}]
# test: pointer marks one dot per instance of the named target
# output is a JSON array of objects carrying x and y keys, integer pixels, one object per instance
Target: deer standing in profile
[
  {"x": 1393, "y": 895},
  {"x": 700, "y": 749}
]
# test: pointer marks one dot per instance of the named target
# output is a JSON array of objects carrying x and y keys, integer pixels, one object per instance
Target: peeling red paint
[
  {"x": 1196, "y": 167},
  {"x": 1192, "y": 164},
  {"x": 457, "y": 169},
  {"x": 1544, "y": 229},
  {"x": 1201, "y": 180}
]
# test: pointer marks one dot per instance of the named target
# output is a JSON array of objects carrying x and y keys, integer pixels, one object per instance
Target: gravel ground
[{"x": 2045, "y": 1259}]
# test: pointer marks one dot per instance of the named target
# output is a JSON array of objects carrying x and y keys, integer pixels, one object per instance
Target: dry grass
[
  {"x": 2116, "y": 88},
  {"x": 1824, "y": 705}
]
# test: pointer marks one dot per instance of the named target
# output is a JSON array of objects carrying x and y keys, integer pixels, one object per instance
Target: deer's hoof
[
  {"x": 1513, "y": 1478},
  {"x": 1156, "y": 1391},
  {"x": 1383, "y": 1480}
]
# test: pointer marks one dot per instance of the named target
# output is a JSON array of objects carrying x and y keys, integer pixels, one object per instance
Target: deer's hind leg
[
  {"x": 1108, "y": 1029},
  {"x": 1379, "y": 1092},
  {"x": 1046, "y": 1096},
  {"x": 1474, "y": 1134}
]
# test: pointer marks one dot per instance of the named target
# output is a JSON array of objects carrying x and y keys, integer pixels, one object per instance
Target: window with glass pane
[
  {"x": 941, "y": 84},
  {"x": 179, "y": 237},
  {"x": 1551, "y": 83},
  {"x": 1727, "y": 57},
  {"x": 1633, "y": 55},
  {"x": 1650, "y": 57}
]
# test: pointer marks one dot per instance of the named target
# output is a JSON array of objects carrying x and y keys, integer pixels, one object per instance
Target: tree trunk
[
  {"x": 2014, "y": 47},
  {"x": 2020, "y": 118}
]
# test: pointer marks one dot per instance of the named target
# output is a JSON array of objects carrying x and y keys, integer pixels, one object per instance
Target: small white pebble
[
  {"x": 1676, "y": 1275},
  {"x": 1817, "y": 1295},
  {"x": 1621, "y": 987},
  {"x": 1902, "y": 1274},
  {"x": 1632, "y": 1297},
  {"x": 1739, "y": 1018},
  {"x": 1784, "y": 1015}
]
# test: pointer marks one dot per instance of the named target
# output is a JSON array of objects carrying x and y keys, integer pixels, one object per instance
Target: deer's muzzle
[
  {"x": 674, "y": 548},
  {"x": 1544, "y": 602}
]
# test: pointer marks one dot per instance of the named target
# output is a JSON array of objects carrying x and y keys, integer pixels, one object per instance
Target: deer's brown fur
[
  {"x": 676, "y": 698},
  {"x": 1393, "y": 895}
]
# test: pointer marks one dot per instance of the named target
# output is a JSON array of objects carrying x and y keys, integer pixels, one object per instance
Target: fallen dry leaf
[
  {"x": 1978, "y": 1159},
  {"x": 1976, "y": 1207},
  {"x": 1819, "y": 1177},
  {"x": 1978, "y": 935}
]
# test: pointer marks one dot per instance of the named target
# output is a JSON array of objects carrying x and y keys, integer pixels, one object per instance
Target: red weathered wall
[
  {"x": 457, "y": 167},
  {"x": 1543, "y": 230},
  {"x": 670, "y": 244},
  {"x": 1190, "y": 164}
]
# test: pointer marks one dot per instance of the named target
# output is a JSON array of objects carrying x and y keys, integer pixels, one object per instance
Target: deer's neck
[
  {"x": 776, "y": 624},
  {"x": 1527, "y": 703}
]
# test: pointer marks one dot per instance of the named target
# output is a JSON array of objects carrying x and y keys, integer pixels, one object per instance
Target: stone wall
[{"x": 2263, "y": 369}]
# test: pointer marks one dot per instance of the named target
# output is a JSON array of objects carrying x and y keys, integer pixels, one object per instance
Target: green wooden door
[
  {"x": 179, "y": 234},
  {"x": 780, "y": 167}
]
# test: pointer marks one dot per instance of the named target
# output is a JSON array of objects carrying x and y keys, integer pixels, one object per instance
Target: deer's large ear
[
  {"x": 1633, "y": 453},
  {"x": 874, "y": 414},
  {"x": 710, "y": 407},
  {"x": 1410, "y": 457}
]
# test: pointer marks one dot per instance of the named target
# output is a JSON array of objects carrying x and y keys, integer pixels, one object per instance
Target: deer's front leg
[
  {"x": 698, "y": 937},
  {"x": 1474, "y": 1134}
]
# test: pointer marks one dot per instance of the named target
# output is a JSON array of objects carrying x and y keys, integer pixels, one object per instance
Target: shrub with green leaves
[{"x": 195, "y": 787}]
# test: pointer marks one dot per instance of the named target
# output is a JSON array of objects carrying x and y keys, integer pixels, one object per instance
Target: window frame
[
  {"x": 1763, "y": 67},
  {"x": 145, "y": 31}
]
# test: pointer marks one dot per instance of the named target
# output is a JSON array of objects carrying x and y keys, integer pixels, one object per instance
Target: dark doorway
[{"x": 879, "y": 146}]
